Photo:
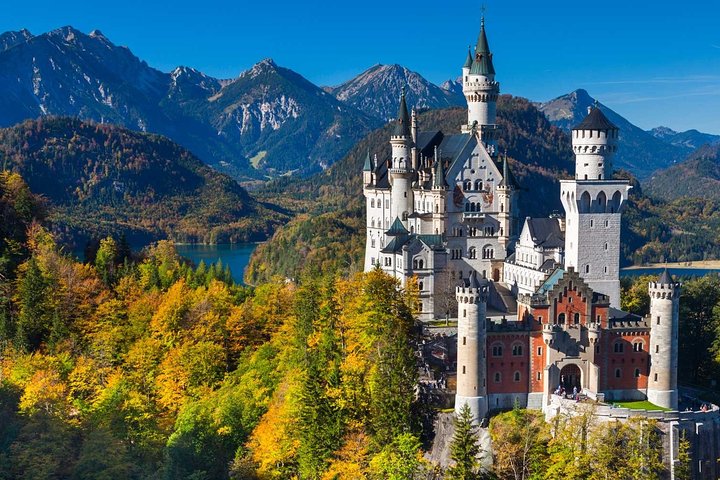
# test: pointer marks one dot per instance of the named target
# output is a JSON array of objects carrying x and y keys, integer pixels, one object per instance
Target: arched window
[
  {"x": 372, "y": 203},
  {"x": 467, "y": 185},
  {"x": 638, "y": 346},
  {"x": 585, "y": 202},
  {"x": 498, "y": 377},
  {"x": 601, "y": 202},
  {"x": 478, "y": 184},
  {"x": 561, "y": 319},
  {"x": 618, "y": 347},
  {"x": 637, "y": 373},
  {"x": 517, "y": 350},
  {"x": 587, "y": 268},
  {"x": 472, "y": 252},
  {"x": 516, "y": 376},
  {"x": 497, "y": 350},
  {"x": 576, "y": 319},
  {"x": 421, "y": 286},
  {"x": 488, "y": 252},
  {"x": 618, "y": 373}
]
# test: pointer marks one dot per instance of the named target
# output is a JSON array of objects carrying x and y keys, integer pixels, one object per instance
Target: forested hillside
[{"x": 101, "y": 179}]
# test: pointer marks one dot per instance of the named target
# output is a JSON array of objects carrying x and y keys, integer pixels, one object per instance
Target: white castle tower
[
  {"x": 664, "y": 317},
  {"x": 592, "y": 203},
  {"x": 481, "y": 91},
  {"x": 471, "y": 371},
  {"x": 401, "y": 170}
]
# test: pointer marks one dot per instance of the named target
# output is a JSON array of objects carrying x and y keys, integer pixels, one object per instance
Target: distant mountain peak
[
  {"x": 266, "y": 65},
  {"x": 11, "y": 39}
]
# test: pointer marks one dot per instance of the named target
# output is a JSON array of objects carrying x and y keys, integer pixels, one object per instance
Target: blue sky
[{"x": 657, "y": 63}]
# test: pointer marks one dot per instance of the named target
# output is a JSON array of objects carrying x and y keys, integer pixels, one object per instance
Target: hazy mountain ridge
[
  {"x": 697, "y": 176},
  {"x": 689, "y": 139}
]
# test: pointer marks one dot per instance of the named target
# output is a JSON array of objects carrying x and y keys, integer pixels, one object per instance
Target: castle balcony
[{"x": 474, "y": 215}]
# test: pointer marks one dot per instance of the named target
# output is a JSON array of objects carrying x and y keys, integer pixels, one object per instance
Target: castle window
[
  {"x": 539, "y": 376},
  {"x": 637, "y": 373},
  {"x": 592, "y": 223},
  {"x": 464, "y": 341},
  {"x": 516, "y": 376},
  {"x": 372, "y": 203},
  {"x": 540, "y": 319},
  {"x": 387, "y": 203},
  {"x": 599, "y": 318},
  {"x": 467, "y": 185},
  {"x": 655, "y": 377},
  {"x": 618, "y": 373},
  {"x": 517, "y": 350},
  {"x": 607, "y": 223},
  {"x": 637, "y": 347},
  {"x": 657, "y": 348},
  {"x": 618, "y": 347},
  {"x": 587, "y": 268},
  {"x": 488, "y": 252},
  {"x": 561, "y": 319},
  {"x": 606, "y": 246},
  {"x": 539, "y": 351},
  {"x": 657, "y": 320},
  {"x": 464, "y": 313},
  {"x": 463, "y": 369},
  {"x": 421, "y": 286},
  {"x": 605, "y": 269},
  {"x": 498, "y": 377},
  {"x": 478, "y": 185},
  {"x": 497, "y": 350},
  {"x": 576, "y": 319},
  {"x": 472, "y": 252}
]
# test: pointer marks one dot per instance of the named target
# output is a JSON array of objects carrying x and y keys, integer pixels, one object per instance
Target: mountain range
[{"x": 268, "y": 121}]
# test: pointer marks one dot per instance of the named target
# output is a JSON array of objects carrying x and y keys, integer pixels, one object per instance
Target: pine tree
[
  {"x": 33, "y": 322},
  {"x": 683, "y": 470},
  {"x": 464, "y": 448}
]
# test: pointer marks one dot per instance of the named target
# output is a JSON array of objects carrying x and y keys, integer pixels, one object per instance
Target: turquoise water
[
  {"x": 677, "y": 272},
  {"x": 237, "y": 256}
]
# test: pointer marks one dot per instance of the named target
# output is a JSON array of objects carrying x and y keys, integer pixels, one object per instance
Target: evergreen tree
[
  {"x": 105, "y": 260},
  {"x": 33, "y": 323},
  {"x": 683, "y": 469},
  {"x": 464, "y": 448}
]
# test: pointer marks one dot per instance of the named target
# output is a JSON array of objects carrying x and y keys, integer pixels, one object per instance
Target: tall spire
[
  {"x": 507, "y": 180},
  {"x": 368, "y": 163},
  {"x": 439, "y": 176},
  {"x": 483, "y": 57},
  {"x": 402, "y": 127}
]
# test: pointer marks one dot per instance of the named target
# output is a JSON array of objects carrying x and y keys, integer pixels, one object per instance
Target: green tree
[
  {"x": 464, "y": 448},
  {"x": 34, "y": 321},
  {"x": 683, "y": 468},
  {"x": 399, "y": 460},
  {"x": 105, "y": 260}
]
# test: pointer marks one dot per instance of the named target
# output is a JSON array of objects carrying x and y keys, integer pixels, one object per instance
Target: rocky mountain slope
[
  {"x": 268, "y": 116},
  {"x": 639, "y": 151},
  {"x": 689, "y": 140},
  {"x": 376, "y": 91},
  {"x": 103, "y": 179}
]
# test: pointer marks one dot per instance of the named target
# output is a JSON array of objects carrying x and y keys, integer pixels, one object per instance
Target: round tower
[
  {"x": 401, "y": 168},
  {"x": 481, "y": 90},
  {"x": 594, "y": 143},
  {"x": 664, "y": 317},
  {"x": 471, "y": 368},
  {"x": 506, "y": 197}
]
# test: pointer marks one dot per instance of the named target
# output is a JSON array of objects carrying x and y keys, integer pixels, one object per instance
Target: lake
[
  {"x": 676, "y": 272},
  {"x": 237, "y": 256}
]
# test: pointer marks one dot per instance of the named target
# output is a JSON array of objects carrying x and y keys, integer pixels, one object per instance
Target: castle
[{"x": 537, "y": 307}]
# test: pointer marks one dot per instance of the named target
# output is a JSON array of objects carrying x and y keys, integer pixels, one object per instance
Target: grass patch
[
  {"x": 640, "y": 405},
  {"x": 255, "y": 161},
  {"x": 441, "y": 323}
]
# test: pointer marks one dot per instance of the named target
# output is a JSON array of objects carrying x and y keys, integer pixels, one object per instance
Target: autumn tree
[{"x": 519, "y": 444}]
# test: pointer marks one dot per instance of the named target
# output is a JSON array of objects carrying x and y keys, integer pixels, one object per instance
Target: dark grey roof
[
  {"x": 396, "y": 244},
  {"x": 549, "y": 265},
  {"x": 453, "y": 145},
  {"x": 426, "y": 141},
  {"x": 619, "y": 315},
  {"x": 474, "y": 281},
  {"x": 397, "y": 228},
  {"x": 482, "y": 65},
  {"x": 439, "y": 181},
  {"x": 595, "y": 120},
  {"x": 546, "y": 233},
  {"x": 508, "y": 180},
  {"x": 665, "y": 278},
  {"x": 420, "y": 215},
  {"x": 402, "y": 125}
]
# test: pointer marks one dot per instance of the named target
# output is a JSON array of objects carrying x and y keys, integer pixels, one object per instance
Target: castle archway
[{"x": 571, "y": 376}]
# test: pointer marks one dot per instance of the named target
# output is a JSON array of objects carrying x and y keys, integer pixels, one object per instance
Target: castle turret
[
  {"x": 481, "y": 91},
  {"x": 471, "y": 368},
  {"x": 368, "y": 170},
  {"x": 664, "y": 317},
  {"x": 401, "y": 169},
  {"x": 594, "y": 143},
  {"x": 507, "y": 218},
  {"x": 593, "y": 202}
]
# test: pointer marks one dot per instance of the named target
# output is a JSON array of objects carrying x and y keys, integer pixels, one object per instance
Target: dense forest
[
  {"x": 682, "y": 229},
  {"x": 101, "y": 179},
  {"x": 140, "y": 366}
]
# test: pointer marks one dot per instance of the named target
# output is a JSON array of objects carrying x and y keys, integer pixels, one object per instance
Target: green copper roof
[
  {"x": 483, "y": 58},
  {"x": 397, "y": 228},
  {"x": 402, "y": 127},
  {"x": 468, "y": 60},
  {"x": 368, "y": 163}
]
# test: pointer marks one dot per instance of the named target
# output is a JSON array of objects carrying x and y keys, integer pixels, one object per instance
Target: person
[{"x": 575, "y": 395}]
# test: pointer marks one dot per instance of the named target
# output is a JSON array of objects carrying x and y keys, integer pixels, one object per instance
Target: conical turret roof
[
  {"x": 397, "y": 228},
  {"x": 439, "y": 177},
  {"x": 367, "y": 167},
  {"x": 595, "y": 120},
  {"x": 507, "y": 180},
  {"x": 482, "y": 65},
  {"x": 402, "y": 127},
  {"x": 665, "y": 277},
  {"x": 469, "y": 59}
]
